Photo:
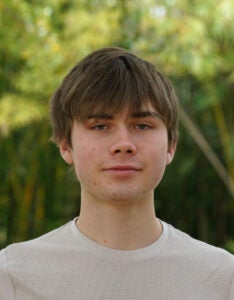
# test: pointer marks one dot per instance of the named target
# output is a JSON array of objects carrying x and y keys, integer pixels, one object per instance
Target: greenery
[{"x": 191, "y": 41}]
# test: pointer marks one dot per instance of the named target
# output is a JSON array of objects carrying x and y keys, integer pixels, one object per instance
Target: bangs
[{"x": 115, "y": 86}]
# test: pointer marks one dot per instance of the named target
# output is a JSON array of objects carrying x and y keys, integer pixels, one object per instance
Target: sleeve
[
  {"x": 232, "y": 289},
  {"x": 6, "y": 284}
]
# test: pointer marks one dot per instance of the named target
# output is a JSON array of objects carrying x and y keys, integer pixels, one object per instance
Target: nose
[{"x": 123, "y": 144}]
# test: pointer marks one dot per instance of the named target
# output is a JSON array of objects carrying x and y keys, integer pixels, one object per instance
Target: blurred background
[{"x": 192, "y": 42}]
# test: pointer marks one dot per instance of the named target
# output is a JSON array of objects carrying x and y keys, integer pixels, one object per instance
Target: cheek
[
  {"x": 84, "y": 158},
  {"x": 82, "y": 169},
  {"x": 84, "y": 153},
  {"x": 157, "y": 160},
  {"x": 157, "y": 151}
]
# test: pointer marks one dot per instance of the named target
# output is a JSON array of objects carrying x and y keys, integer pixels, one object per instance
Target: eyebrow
[
  {"x": 100, "y": 117},
  {"x": 136, "y": 115},
  {"x": 145, "y": 114}
]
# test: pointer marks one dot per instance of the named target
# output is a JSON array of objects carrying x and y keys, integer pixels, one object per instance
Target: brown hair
[{"x": 107, "y": 81}]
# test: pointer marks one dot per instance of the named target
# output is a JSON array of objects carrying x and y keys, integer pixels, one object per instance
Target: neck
[{"x": 122, "y": 226}]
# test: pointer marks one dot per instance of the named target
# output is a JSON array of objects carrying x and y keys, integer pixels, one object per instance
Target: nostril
[
  {"x": 123, "y": 151},
  {"x": 123, "y": 148}
]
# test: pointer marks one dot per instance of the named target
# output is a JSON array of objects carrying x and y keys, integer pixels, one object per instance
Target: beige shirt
[{"x": 65, "y": 265}]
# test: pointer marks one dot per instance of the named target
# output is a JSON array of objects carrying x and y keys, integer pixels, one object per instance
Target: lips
[
  {"x": 122, "y": 171},
  {"x": 122, "y": 168}
]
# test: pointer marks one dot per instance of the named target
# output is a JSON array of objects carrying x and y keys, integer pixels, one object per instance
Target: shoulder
[
  {"x": 6, "y": 286},
  {"x": 213, "y": 267},
  {"x": 182, "y": 244},
  {"x": 22, "y": 252},
  {"x": 20, "y": 260},
  {"x": 184, "y": 240}
]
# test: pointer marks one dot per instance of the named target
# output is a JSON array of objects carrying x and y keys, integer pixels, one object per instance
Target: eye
[
  {"x": 99, "y": 127},
  {"x": 142, "y": 126}
]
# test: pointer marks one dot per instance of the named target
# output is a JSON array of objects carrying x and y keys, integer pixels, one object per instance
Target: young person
[{"x": 114, "y": 119}]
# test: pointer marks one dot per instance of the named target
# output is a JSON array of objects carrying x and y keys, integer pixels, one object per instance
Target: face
[{"x": 119, "y": 157}]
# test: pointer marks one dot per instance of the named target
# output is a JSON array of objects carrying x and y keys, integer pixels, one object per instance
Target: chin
[{"x": 126, "y": 197}]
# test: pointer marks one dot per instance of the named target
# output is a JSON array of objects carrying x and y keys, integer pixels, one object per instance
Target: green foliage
[
  {"x": 192, "y": 42},
  {"x": 230, "y": 246}
]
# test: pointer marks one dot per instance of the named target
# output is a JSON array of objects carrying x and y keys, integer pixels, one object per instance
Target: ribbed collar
[{"x": 87, "y": 245}]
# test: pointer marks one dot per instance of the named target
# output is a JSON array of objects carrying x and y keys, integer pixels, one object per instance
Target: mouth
[{"x": 122, "y": 170}]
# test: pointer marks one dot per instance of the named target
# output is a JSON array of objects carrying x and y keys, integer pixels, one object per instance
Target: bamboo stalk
[{"x": 207, "y": 150}]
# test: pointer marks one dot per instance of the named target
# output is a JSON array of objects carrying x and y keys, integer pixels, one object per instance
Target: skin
[{"x": 119, "y": 161}]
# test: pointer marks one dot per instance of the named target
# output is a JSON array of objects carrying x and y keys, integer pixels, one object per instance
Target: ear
[
  {"x": 171, "y": 152},
  {"x": 66, "y": 152}
]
